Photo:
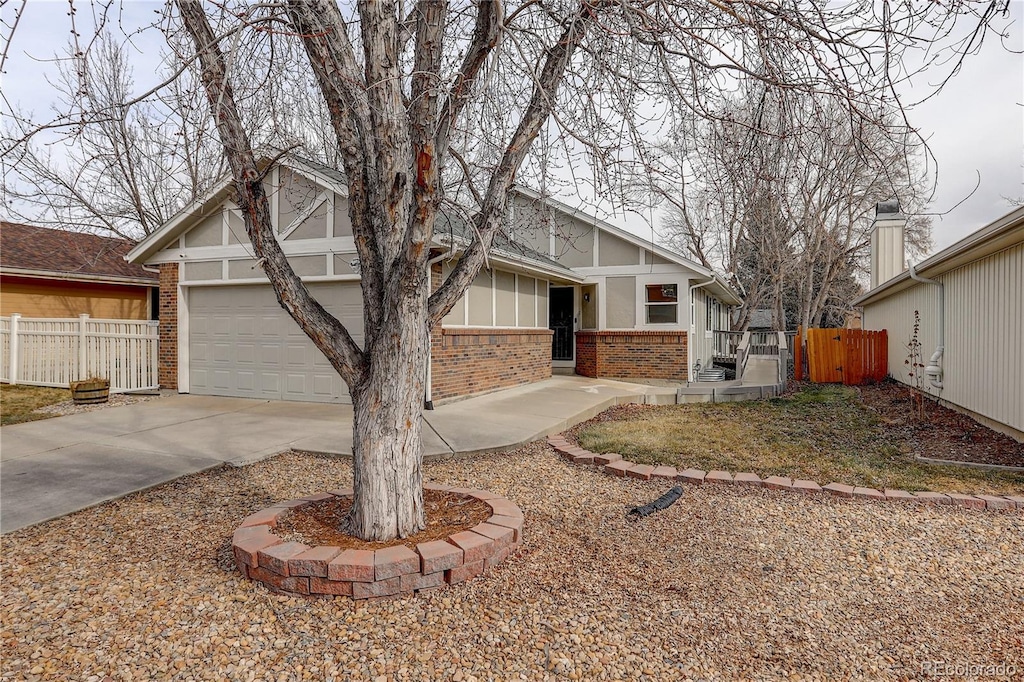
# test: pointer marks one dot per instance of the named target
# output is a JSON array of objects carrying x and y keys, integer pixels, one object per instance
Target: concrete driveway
[{"x": 53, "y": 467}]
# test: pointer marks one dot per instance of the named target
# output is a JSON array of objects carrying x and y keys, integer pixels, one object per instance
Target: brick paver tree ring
[{"x": 296, "y": 568}]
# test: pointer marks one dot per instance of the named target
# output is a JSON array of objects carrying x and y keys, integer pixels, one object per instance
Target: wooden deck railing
[{"x": 760, "y": 343}]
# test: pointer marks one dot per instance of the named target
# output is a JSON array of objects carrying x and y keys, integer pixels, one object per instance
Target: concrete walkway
[{"x": 56, "y": 466}]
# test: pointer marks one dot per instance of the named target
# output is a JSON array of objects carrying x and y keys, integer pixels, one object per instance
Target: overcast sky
[{"x": 975, "y": 126}]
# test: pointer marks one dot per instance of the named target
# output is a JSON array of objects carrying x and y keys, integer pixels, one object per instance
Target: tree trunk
[{"x": 387, "y": 421}]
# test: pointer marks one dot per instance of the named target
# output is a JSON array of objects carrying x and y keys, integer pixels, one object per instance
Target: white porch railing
[
  {"x": 726, "y": 344},
  {"x": 55, "y": 352}
]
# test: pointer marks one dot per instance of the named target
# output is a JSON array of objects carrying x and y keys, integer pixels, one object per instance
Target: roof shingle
[{"x": 29, "y": 247}]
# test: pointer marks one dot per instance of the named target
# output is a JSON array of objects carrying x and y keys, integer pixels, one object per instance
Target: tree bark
[{"x": 387, "y": 422}]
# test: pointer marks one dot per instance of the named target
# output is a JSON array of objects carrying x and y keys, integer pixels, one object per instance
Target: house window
[{"x": 662, "y": 303}]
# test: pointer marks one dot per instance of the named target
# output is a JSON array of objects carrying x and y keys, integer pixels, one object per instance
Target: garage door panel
[
  {"x": 270, "y": 326},
  {"x": 295, "y": 385},
  {"x": 245, "y": 354},
  {"x": 242, "y": 343},
  {"x": 246, "y": 326},
  {"x": 270, "y": 383},
  {"x": 245, "y": 381},
  {"x": 200, "y": 352},
  {"x": 298, "y": 355},
  {"x": 223, "y": 352},
  {"x": 323, "y": 385},
  {"x": 269, "y": 354}
]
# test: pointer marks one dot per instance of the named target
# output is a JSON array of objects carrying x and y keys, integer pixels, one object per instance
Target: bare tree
[
  {"x": 429, "y": 100},
  {"x": 123, "y": 164},
  {"x": 781, "y": 193},
  {"x": 116, "y": 168}
]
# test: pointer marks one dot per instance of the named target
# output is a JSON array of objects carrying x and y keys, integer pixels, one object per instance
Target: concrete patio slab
[
  {"x": 58, "y": 482},
  {"x": 55, "y": 466},
  {"x": 237, "y": 437}
]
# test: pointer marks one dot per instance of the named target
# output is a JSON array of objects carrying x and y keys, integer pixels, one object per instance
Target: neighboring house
[
  {"x": 59, "y": 274},
  {"x": 601, "y": 301},
  {"x": 969, "y": 299},
  {"x": 761, "y": 320}
]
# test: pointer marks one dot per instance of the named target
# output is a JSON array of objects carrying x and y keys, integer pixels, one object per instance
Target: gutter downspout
[
  {"x": 934, "y": 367},
  {"x": 693, "y": 327},
  {"x": 428, "y": 401}
]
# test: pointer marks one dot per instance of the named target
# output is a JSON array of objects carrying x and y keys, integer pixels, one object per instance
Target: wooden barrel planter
[{"x": 90, "y": 391}]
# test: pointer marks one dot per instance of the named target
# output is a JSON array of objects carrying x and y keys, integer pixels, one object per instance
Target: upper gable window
[{"x": 662, "y": 303}]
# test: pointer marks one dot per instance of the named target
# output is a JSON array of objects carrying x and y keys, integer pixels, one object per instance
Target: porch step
[{"x": 711, "y": 374}]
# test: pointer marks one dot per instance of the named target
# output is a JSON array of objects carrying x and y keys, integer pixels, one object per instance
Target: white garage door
[{"x": 243, "y": 344}]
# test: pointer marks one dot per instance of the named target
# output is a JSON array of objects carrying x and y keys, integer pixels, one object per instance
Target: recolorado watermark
[{"x": 967, "y": 669}]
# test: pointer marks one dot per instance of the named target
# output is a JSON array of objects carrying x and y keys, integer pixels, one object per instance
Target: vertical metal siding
[{"x": 982, "y": 366}]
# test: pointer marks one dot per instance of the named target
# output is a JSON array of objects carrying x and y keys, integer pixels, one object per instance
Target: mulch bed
[
  {"x": 942, "y": 433},
  {"x": 322, "y": 523}
]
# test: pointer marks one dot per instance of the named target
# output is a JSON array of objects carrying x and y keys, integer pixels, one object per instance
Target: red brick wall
[
  {"x": 168, "y": 361},
  {"x": 467, "y": 361},
  {"x": 586, "y": 354},
  {"x": 632, "y": 355}
]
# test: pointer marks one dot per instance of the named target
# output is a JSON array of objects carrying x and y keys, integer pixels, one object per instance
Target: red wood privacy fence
[{"x": 849, "y": 356}]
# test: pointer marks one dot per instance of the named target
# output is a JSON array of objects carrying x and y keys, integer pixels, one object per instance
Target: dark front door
[{"x": 560, "y": 307}]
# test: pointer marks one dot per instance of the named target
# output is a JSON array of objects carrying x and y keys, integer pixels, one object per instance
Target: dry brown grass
[
  {"x": 822, "y": 433},
  {"x": 19, "y": 403}
]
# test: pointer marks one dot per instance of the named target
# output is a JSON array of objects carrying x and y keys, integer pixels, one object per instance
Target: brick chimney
[{"x": 887, "y": 247}]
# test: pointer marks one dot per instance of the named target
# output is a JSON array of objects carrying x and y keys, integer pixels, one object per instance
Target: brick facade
[
  {"x": 468, "y": 361},
  {"x": 168, "y": 361},
  {"x": 632, "y": 354}
]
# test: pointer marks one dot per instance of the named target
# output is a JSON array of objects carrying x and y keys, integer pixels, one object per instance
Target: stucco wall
[{"x": 498, "y": 298}]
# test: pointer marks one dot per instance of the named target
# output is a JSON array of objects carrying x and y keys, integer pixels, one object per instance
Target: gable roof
[
  {"x": 452, "y": 230},
  {"x": 45, "y": 252},
  {"x": 181, "y": 221},
  {"x": 718, "y": 286},
  {"x": 1002, "y": 233}
]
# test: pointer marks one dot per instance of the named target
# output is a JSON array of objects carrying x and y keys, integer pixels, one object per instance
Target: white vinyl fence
[{"x": 55, "y": 352}]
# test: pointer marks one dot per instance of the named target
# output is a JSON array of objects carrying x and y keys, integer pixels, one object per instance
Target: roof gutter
[
  {"x": 934, "y": 367},
  {"x": 79, "y": 277}
]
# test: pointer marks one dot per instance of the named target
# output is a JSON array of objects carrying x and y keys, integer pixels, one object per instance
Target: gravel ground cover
[
  {"x": 67, "y": 407},
  {"x": 728, "y": 583}
]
